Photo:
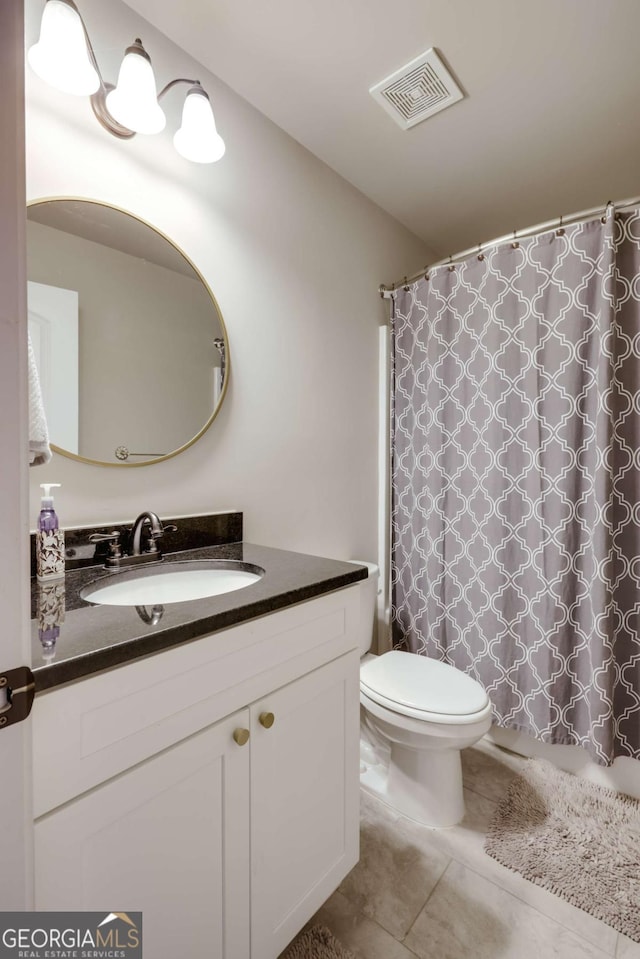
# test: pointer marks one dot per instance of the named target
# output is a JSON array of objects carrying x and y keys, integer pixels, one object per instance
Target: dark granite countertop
[{"x": 93, "y": 638}]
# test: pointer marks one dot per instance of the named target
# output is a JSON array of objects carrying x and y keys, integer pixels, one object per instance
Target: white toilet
[{"x": 417, "y": 714}]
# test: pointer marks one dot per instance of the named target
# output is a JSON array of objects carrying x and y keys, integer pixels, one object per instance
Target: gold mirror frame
[{"x": 200, "y": 433}]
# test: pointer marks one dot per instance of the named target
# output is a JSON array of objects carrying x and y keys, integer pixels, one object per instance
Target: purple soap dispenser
[{"x": 49, "y": 539}]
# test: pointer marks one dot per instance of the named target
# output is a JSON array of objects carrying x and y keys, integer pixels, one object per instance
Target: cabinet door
[
  {"x": 304, "y": 800},
  {"x": 169, "y": 838}
]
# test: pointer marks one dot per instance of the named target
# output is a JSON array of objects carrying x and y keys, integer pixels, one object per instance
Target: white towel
[{"x": 39, "y": 449}]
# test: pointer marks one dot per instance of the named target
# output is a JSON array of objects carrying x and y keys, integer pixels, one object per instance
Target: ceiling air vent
[{"x": 418, "y": 90}]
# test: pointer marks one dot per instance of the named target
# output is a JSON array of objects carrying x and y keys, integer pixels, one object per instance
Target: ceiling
[
  {"x": 113, "y": 228},
  {"x": 549, "y": 125}
]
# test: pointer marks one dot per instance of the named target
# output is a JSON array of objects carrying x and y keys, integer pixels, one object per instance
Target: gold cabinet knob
[
  {"x": 241, "y": 736},
  {"x": 267, "y": 720}
]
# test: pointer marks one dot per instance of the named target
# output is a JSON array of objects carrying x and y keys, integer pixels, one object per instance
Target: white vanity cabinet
[
  {"x": 304, "y": 820},
  {"x": 169, "y": 838},
  {"x": 146, "y": 801}
]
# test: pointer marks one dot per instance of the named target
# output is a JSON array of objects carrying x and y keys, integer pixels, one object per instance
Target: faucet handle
[
  {"x": 113, "y": 539},
  {"x": 155, "y": 534},
  {"x": 105, "y": 537}
]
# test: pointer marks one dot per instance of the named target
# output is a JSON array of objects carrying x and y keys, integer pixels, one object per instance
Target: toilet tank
[{"x": 368, "y": 602}]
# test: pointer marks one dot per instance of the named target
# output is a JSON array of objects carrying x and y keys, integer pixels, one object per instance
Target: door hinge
[{"x": 20, "y": 687}]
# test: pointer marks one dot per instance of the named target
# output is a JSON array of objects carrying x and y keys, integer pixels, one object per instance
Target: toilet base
[{"x": 423, "y": 785}]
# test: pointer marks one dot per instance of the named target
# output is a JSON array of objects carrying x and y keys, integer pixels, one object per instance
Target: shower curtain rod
[{"x": 388, "y": 291}]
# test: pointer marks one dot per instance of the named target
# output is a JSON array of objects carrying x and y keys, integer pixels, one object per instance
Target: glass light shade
[
  {"x": 60, "y": 57},
  {"x": 134, "y": 102},
  {"x": 197, "y": 139}
]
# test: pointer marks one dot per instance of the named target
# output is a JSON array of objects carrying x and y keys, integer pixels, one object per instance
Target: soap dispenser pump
[{"x": 49, "y": 539}]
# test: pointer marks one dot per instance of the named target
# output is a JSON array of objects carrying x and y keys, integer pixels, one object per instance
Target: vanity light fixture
[
  {"x": 64, "y": 58},
  {"x": 134, "y": 102}
]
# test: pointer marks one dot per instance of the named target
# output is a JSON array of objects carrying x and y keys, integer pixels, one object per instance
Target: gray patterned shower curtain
[{"x": 515, "y": 479}]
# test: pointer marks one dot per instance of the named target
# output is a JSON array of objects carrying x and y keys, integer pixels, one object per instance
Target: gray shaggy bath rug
[
  {"x": 579, "y": 840},
  {"x": 316, "y": 943}
]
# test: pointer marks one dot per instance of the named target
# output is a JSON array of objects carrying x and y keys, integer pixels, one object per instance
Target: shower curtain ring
[
  {"x": 382, "y": 290},
  {"x": 406, "y": 285},
  {"x": 451, "y": 266},
  {"x": 603, "y": 218},
  {"x": 426, "y": 274},
  {"x": 515, "y": 244},
  {"x": 560, "y": 231},
  {"x": 480, "y": 253}
]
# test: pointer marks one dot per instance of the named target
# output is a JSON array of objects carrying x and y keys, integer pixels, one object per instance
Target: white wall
[{"x": 294, "y": 255}]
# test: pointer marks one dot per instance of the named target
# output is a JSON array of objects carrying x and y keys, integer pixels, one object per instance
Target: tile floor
[{"x": 435, "y": 894}]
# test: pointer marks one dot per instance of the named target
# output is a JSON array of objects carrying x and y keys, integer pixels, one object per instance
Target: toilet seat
[{"x": 423, "y": 688}]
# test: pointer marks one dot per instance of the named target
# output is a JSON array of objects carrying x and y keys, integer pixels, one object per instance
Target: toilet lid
[{"x": 421, "y": 684}]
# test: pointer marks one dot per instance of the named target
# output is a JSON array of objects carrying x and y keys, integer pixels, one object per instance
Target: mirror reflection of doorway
[{"x": 53, "y": 328}]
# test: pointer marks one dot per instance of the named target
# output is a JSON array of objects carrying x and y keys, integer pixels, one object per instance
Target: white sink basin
[{"x": 174, "y": 583}]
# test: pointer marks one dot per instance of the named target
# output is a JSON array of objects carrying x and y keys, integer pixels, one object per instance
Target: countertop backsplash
[{"x": 193, "y": 532}]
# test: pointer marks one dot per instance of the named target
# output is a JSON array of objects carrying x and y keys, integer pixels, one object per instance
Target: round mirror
[{"x": 129, "y": 342}]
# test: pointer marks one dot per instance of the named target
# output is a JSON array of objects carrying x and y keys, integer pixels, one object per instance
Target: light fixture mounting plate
[{"x": 104, "y": 118}]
